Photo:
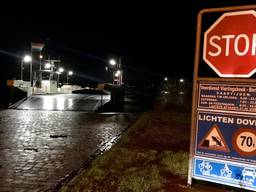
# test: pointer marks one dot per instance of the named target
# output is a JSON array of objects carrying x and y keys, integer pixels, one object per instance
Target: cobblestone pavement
[{"x": 39, "y": 148}]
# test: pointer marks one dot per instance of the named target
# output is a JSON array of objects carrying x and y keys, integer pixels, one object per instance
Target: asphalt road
[{"x": 65, "y": 102}]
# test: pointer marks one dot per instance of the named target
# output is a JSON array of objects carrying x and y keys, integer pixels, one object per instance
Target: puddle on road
[
  {"x": 58, "y": 136},
  {"x": 31, "y": 149}
]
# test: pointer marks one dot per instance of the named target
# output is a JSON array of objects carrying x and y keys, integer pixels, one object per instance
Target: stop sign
[{"x": 230, "y": 44}]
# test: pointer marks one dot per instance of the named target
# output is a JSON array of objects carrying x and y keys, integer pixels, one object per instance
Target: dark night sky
[{"x": 155, "y": 39}]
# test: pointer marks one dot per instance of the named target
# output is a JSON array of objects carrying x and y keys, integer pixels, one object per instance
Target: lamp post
[
  {"x": 21, "y": 70},
  {"x": 60, "y": 70},
  {"x": 69, "y": 74},
  {"x": 31, "y": 71},
  {"x": 40, "y": 62},
  {"x": 117, "y": 70},
  {"x": 40, "y": 69},
  {"x": 121, "y": 71},
  {"x": 113, "y": 65},
  {"x": 25, "y": 59}
]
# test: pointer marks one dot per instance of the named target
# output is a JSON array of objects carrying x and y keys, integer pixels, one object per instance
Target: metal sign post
[{"x": 223, "y": 124}]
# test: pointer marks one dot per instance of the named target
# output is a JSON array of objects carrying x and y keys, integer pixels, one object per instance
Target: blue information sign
[
  {"x": 225, "y": 140},
  {"x": 226, "y": 136},
  {"x": 227, "y": 173}
]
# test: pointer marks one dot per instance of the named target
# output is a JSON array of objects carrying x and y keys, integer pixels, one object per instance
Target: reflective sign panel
[
  {"x": 229, "y": 97},
  {"x": 226, "y": 136},
  {"x": 224, "y": 172}
]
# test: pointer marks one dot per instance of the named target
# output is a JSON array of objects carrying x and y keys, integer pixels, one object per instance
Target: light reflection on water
[
  {"x": 48, "y": 103},
  {"x": 70, "y": 102},
  {"x": 60, "y": 103}
]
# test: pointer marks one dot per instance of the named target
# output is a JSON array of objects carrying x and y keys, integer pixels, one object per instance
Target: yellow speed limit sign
[{"x": 244, "y": 141}]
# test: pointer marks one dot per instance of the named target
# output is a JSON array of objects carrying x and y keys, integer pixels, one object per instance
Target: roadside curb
[{"x": 15, "y": 105}]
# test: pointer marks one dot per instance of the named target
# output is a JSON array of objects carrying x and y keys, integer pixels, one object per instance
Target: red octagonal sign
[{"x": 230, "y": 44}]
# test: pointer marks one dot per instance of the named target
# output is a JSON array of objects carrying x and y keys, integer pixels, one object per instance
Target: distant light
[
  {"x": 47, "y": 66},
  {"x": 27, "y": 58},
  {"x": 70, "y": 73},
  {"x": 117, "y": 74},
  {"x": 41, "y": 56},
  {"x": 181, "y": 80},
  {"x": 61, "y": 70},
  {"x": 112, "y": 62},
  {"x": 166, "y": 78}
]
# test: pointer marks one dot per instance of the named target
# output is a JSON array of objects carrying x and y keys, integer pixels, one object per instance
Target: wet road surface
[
  {"x": 67, "y": 102},
  {"x": 39, "y": 148}
]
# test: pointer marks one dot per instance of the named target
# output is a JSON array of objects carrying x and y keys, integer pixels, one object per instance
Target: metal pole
[
  {"x": 113, "y": 77},
  {"x": 58, "y": 80},
  {"x": 40, "y": 69},
  {"x": 121, "y": 77},
  {"x": 121, "y": 71},
  {"x": 21, "y": 70},
  {"x": 31, "y": 70},
  {"x": 101, "y": 98},
  {"x": 51, "y": 69},
  {"x": 194, "y": 103}
]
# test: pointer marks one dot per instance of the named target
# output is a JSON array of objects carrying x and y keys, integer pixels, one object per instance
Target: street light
[
  {"x": 69, "y": 74},
  {"x": 40, "y": 69},
  {"x": 60, "y": 70},
  {"x": 25, "y": 59},
  {"x": 47, "y": 66},
  {"x": 112, "y": 62},
  {"x": 40, "y": 62},
  {"x": 166, "y": 79},
  {"x": 113, "y": 66},
  {"x": 117, "y": 74},
  {"x": 117, "y": 70},
  {"x": 121, "y": 71}
]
